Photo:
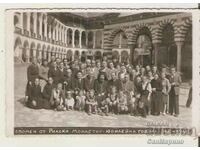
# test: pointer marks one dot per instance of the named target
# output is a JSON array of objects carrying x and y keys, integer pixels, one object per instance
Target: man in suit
[
  {"x": 89, "y": 81},
  {"x": 68, "y": 83},
  {"x": 35, "y": 99},
  {"x": 47, "y": 92},
  {"x": 54, "y": 73},
  {"x": 32, "y": 74},
  {"x": 53, "y": 58},
  {"x": 175, "y": 80},
  {"x": 62, "y": 73},
  {"x": 78, "y": 82}
]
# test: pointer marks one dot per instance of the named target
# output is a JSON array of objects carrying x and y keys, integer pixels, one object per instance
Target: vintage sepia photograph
[{"x": 102, "y": 72}]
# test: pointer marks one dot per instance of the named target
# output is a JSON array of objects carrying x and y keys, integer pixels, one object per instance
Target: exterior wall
[
  {"x": 180, "y": 22},
  {"x": 41, "y": 35}
]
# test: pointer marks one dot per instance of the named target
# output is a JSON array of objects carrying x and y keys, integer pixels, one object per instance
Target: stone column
[
  {"x": 28, "y": 22},
  {"x": 94, "y": 39},
  {"x": 102, "y": 40},
  {"x": 73, "y": 37},
  {"x": 40, "y": 54},
  {"x": 179, "y": 45},
  {"x": 45, "y": 54},
  {"x": 120, "y": 40},
  {"x": 34, "y": 52},
  {"x": 60, "y": 31},
  {"x": 86, "y": 36},
  {"x": 80, "y": 42},
  {"x": 49, "y": 56},
  {"x": 49, "y": 31},
  {"x": 57, "y": 33},
  {"x": 22, "y": 22},
  {"x": 63, "y": 35},
  {"x": 45, "y": 26},
  {"x": 54, "y": 32},
  {"x": 27, "y": 55},
  {"x": 66, "y": 37},
  {"x": 40, "y": 25},
  {"x": 156, "y": 45},
  {"x": 35, "y": 23}
]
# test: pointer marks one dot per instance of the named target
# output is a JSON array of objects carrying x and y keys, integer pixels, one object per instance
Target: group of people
[{"x": 102, "y": 87}]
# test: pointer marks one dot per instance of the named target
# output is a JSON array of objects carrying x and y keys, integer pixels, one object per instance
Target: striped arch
[
  {"x": 112, "y": 36},
  {"x": 115, "y": 32},
  {"x": 185, "y": 26},
  {"x": 162, "y": 24},
  {"x": 136, "y": 30}
]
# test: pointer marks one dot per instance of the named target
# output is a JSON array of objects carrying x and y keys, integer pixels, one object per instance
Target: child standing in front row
[
  {"x": 122, "y": 107},
  {"x": 80, "y": 101},
  {"x": 113, "y": 100},
  {"x": 69, "y": 101},
  {"x": 91, "y": 103}
]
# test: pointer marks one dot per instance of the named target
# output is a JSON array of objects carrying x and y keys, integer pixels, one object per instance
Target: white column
[
  {"x": 40, "y": 25},
  {"x": 57, "y": 32},
  {"x": 49, "y": 56},
  {"x": 49, "y": 31},
  {"x": 156, "y": 48},
  {"x": 73, "y": 31},
  {"x": 120, "y": 40},
  {"x": 40, "y": 54},
  {"x": 34, "y": 52},
  {"x": 35, "y": 23},
  {"x": 45, "y": 26},
  {"x": 80, "y": 42},
  {"x": 86, "y": 36},
  {"x": 27, "y": 54},
  {"x": 94, "y": 39},
  {"x": 63, "y": 35},
  {"x": 28, "y": 22},
  {"x": 60, "y": 31},
  {"x": 102, "y": 40},
  {"x": 54, "y": 32},
  {"x": 179, "y": 47},
  {"x": 22, "y": 22},
  {"x": 66, "y": 36}
]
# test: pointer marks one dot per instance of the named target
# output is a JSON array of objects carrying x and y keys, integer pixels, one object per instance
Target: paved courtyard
[{"x": 26, "y": 117}]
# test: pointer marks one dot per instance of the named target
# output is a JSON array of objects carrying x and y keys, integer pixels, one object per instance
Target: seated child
[
  {"x": 80, "y": 100},
  {"x": 91, "y": 102},
  {"x": 141, "y": 111},
  {"x": 57, "y": 98},
  {"x": 69, "y": 101},
  {"x": 113, "y": 100},
  {"x": 122, "y": 106},
  {"x": 132, "y": 103}
]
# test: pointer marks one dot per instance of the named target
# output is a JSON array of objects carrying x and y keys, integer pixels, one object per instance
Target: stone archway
[
  {"x": 69, "y": 37},
  {"x": 167, "y": 51},
  {"x": 18, "y": 50},
  {"x": 186, "y": 54},
  {"x": 76, "y": 38},
  {"x": 26, "y": 52},
  {"x": 32, "y": 51},
  {"x": 142, "y": 54},
  {"x": 69, "y": 55}
]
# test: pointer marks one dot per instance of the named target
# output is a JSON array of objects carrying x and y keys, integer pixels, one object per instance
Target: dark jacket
[
  {"x": 32, "y": 72},
  {"x": 55, "y": 74},
  {"x": 47, "y": 91},
  {"x": 88, "y": 83}
]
